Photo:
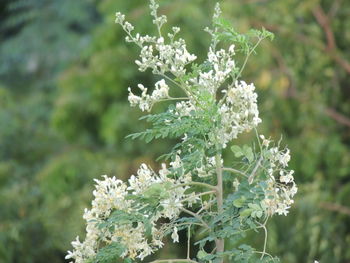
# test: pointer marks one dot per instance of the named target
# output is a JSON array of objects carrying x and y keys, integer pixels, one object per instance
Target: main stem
[{"x": 220, "y": 243}]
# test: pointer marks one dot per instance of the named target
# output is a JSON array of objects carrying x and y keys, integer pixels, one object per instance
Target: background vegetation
[{"x": 64, "y": 74}]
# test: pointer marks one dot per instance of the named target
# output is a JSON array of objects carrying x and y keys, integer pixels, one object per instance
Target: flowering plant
[{"x": 197, "y": 190}]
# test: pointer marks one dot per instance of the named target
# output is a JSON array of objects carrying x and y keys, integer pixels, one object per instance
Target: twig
[
  {"x": 323, "y": 20},
  {"x": 220, "y": 243},
  {"x": 196, "y": 216},
  {"x": 336, "y": 207},
  {"x": 251, "y": 176},
  {"x": 263, "y": 226},
  {"x": 198, "y": 195},
  {"x": 338, "y": 117},
  {"x": 188, "y": 241},
  {"x": 205, "y": 207},
  {"x": 196, "y": 183},
  {"x": 228, "y": 169}
]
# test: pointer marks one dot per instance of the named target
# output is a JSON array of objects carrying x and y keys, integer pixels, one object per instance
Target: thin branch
[
  {"x": 198, "y": 195},
  {"x": 171, "y": 98},
  {"x": 342, "y": 119},
  {"x": 336, "y": 208},
  {"x": 247, "y": 57},
  {"x": 197, "y": 217},
  {"x": 324, "y": 22},
  {"x": 342, "y": 62},
  {"x": 242, "y": 68},
  {"x": 188, "y": 241},
  {"x": 174, "y": 82},
  {"x": 228, "y": 169},
  {"x": 196, "y": 183},
  {"x": 205, "y": 207},
  {"x": 258, "y": 138},
  {"x": 263, "y": 226},
  {"x": 220, "y": 243},
  {"x": 251, "y": 176}
]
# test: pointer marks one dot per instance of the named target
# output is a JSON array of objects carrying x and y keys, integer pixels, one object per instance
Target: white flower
[
  {"x": 177, "y": 163},
  {"x": 175, "y": 235},
  {"x": 286, "y": 177},
  {"x": 146, "y": 101},
  {"x": 265, "y": 142}
]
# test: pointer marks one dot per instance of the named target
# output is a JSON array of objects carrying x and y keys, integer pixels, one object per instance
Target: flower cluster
[
  {"x": 112, "y": 195},
  {"x": 109, "y": 195},
  {"x": 217, "y": 107},
  {"x": 146, "y": 101},
  {"x": 155, "y": 53},
  {"x": 281, "y": 186},
  {"x": 222, "y": 65},
  {"x": 239, "y": 112}
]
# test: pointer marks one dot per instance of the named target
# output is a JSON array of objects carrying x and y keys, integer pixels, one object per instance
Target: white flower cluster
[
  {"x": 281, "y": 186},
  {"x": 239, "y": 112},
  {"x": 222, "y": 64},
  {"x": 162, "y": 57},
  {"x": 207, "y": 168},
  {"x": 146, "y": 101},
  {"x": 184, "y": 108},
  {"x": 155, "y": 53},
  {"x": 111, "y": 195}
]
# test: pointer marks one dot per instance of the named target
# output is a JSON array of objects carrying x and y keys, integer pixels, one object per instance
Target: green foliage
[
  {"x": 245, "y": 151},
  {"x": 244, "y": 41},
  {"x": 298, "y": 85},
  {"x": 110, "y": 254}
]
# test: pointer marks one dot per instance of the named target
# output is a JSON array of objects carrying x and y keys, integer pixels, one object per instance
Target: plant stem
[
  {"x": 198, "y": 195},
  {"x": 263, "y": 226},
  {"x": 242, "y": 68},
  {"x": 234, "y": 171},
  {"x": 220, "y": 243},
  {"x": 197, "y": 217},
  {"x": 188, "y": 241},
  {"x": 196, "y": 183},
  {"x": 251, "y": 176}
]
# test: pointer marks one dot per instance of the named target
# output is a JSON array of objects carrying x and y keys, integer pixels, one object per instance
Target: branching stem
[{"x": 228, "y": 169}]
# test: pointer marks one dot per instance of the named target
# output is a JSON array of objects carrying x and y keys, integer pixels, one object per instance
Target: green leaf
[
  {"x": 247, "y": 212},
  {"x": 110, "y": 253},
  {"x": 239, "y": 202},
  {"x": 201, "y": 254},
  {"x": 238, "y": 152},
  {"x": 248, "y": 152}
]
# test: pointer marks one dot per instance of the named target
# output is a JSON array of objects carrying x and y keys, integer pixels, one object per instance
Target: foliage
[
  {"x": 139, "y": 214},
  {"x": 301, "y": 79}
]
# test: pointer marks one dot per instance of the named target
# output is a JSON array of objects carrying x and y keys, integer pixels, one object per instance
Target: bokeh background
[{"x": 64, "y": 73}]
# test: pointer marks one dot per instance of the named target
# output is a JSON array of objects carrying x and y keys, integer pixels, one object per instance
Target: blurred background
[{"x": 64, "y": 73}]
